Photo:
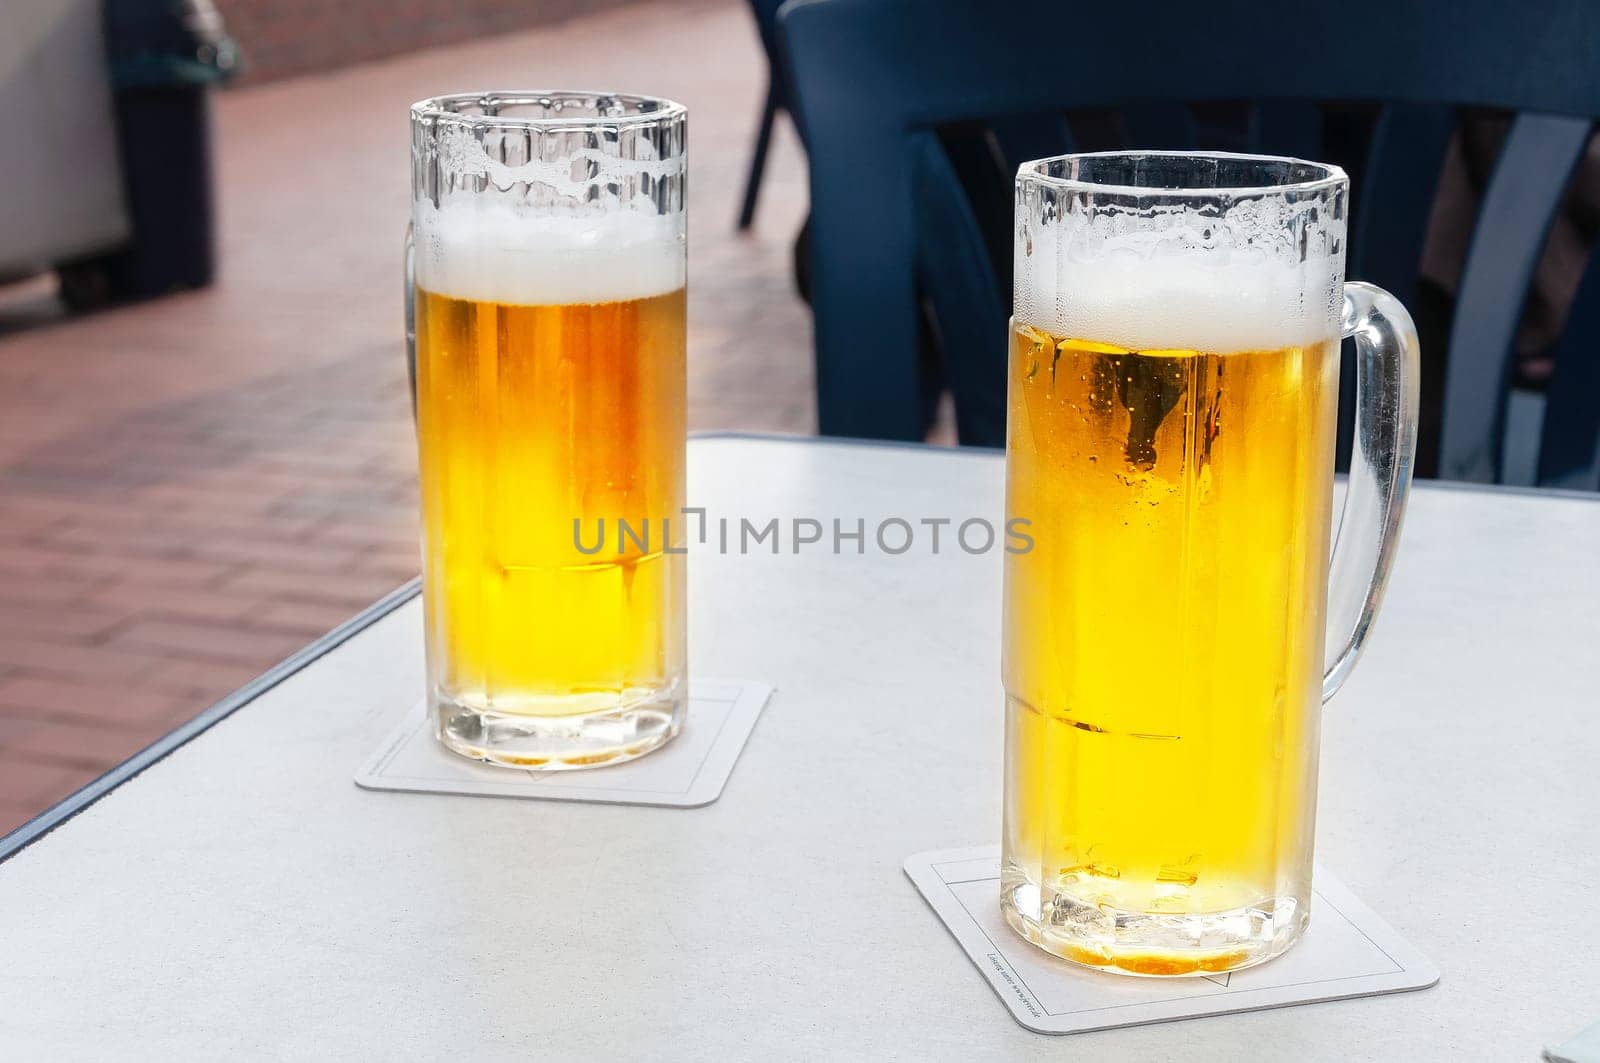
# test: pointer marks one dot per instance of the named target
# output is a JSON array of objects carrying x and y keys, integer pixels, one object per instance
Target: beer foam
[
  {"x": 1216, "y": 299},
  {"x": 496, "y": 253}
]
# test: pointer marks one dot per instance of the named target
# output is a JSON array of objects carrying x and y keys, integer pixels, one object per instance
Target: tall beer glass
[
  {"x": 1174, "y": 370},
  {"x": 548, "y": 250}
]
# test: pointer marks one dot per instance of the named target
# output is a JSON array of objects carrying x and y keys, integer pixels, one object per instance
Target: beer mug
[
  {"x": 547, "y": 250},
  {"x": 1174, "y": 631}
]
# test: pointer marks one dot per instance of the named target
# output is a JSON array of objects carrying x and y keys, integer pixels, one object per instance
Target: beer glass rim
[
  {"x": 1278, "y": 174},
  {"x": 602, "y": 109}
]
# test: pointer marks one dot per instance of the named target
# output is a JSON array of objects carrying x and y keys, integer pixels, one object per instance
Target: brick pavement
[
  {"x": 280, "y": 38},
  {"x": 193, "y": 487}
]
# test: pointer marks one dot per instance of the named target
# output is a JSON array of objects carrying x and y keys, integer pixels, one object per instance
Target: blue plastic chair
[
  {"x": 917, "y": 112},
  {"x": 766, "y": 14}
]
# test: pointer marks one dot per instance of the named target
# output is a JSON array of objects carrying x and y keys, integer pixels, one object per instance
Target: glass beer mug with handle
[
  {"x": 1172, "y": 634},
  {"x": 547, "y": 260}
]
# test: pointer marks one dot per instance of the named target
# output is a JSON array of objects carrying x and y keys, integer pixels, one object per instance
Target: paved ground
[{"x": 192, "y": 488}]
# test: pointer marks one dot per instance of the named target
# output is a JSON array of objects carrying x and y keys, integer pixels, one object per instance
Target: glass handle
[
  {"x": 411, "y": 316},
  {"x": 1387, "y": 358}
]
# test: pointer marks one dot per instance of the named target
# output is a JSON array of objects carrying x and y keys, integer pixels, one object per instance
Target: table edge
[
  {"x": 31, "y": 831},
  {"x": 57, "y": 814}
]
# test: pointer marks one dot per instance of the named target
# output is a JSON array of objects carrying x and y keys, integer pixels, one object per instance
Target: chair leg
[{"x": 758, "y": 158}]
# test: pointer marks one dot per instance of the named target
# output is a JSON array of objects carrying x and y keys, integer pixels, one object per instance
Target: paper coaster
[
  {"x": 687, "y": 772},
  {"x": 1347, "y": 952},
  {"x": 1582, "y": 1047}
]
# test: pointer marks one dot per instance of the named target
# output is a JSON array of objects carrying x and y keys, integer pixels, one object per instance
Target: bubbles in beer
[{"x": 1163, "y": 639}]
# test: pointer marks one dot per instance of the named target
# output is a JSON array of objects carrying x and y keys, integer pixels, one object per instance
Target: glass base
[
  {"x": 1151, "y": 944},
  {"x": 547, "y": 741}
]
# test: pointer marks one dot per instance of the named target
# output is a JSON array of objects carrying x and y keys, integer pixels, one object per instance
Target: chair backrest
[
  {"x": 766, "y": 15},
  {"x": 917, "y": 112}
]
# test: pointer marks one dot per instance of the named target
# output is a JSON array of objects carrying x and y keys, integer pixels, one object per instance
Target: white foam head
[
  {"x": 496, "y": 252},
  {"x": 1170, "y": 289}
]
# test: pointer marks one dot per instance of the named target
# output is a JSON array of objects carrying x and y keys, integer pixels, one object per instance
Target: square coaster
[
  {"x": 1582, "y": 1047},
  {"x": 688, "y": 772},
  {"x": 1346, "y": 952}
]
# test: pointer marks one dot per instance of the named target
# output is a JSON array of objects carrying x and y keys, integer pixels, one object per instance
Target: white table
[{"x": 242, "y": 898}]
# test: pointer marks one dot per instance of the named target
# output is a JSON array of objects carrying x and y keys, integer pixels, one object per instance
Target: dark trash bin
[{"x": 165, "y": 57}]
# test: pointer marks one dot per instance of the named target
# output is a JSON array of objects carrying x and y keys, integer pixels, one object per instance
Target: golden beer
[
  {"x": 1163, "y": 650},
  {"x": 532, "y": 418},
  {"x": 1173, "y": 396},
  {"x": 548, "y": 260}
]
